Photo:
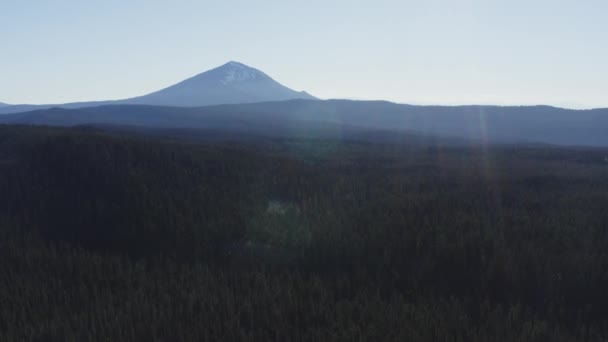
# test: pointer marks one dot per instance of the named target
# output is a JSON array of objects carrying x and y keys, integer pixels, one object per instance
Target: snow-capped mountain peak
[
  {"x": 232, "y": 82},
  {"x": 235, "y": 72}
]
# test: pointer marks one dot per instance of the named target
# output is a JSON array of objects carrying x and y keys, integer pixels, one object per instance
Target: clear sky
[{"x": 424, "y": 52}]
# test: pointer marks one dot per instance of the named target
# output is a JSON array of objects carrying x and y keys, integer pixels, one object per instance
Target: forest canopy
[{"x": 108, "y": 236}]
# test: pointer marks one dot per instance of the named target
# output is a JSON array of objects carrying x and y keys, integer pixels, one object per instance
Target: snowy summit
[{"x": 230, "y": 83}]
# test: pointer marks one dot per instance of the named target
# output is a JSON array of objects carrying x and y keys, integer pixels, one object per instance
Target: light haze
[{"x": 421, "y": 52}]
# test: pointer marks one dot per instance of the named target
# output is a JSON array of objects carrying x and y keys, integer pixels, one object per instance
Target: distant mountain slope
[
  {"x": 535, "y": 124},
  {"x": 22, "y": 108},
  {"x": 230, "y": 83}
]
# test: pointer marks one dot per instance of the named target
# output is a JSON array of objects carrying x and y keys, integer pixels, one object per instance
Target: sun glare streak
[{"x": 488, "y": 169}]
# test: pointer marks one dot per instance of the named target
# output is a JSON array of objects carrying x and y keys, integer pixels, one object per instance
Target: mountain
[
  {"x": 230, "y": 83},
  {"x": 3, "y": 104},
  {"x": 332, "y": 118}
]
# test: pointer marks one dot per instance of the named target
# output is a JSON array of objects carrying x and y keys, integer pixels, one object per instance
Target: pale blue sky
[{"x": 441, "y": 52}]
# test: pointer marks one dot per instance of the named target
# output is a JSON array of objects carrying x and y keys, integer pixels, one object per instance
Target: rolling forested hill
[{"x": 303, "y": 118}]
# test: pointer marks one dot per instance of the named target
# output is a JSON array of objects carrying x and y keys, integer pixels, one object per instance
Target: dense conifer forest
[{"x": 130, "y": 237}]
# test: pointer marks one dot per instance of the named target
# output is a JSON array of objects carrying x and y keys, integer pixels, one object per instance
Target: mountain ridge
[{"x": 487, "y": 124}]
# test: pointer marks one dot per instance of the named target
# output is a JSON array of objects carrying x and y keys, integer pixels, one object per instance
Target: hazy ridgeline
[
  {"x": 112, "y": 237},
  {"x": 337, "y": 119}
]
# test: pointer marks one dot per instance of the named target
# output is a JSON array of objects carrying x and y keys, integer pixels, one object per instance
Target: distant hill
[
  {"x": 230, "y": 83},
  {"x": 534, "y": 124}
]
